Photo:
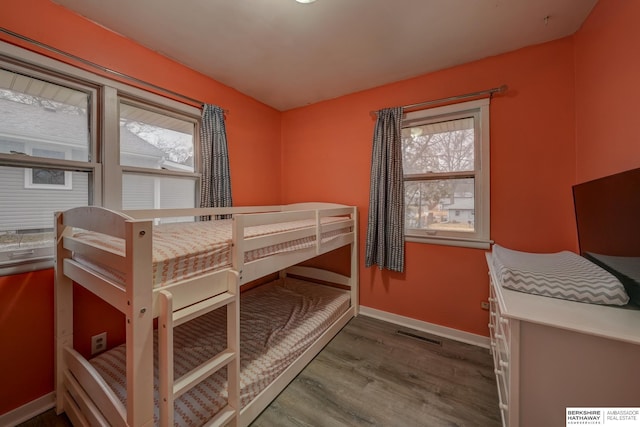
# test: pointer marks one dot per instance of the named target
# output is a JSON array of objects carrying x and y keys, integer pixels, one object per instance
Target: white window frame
[
  {"x": 481, "y": 237},
  {"x": 28, "y": 181},
  {"x": 28, "y": 174},
  {"x": 103, "y": 163},
  {"x": 156, "y": 173}
]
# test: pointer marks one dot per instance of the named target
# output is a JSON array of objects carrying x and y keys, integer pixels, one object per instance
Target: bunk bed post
[
  {"x": 139, "y": 323},
  {"x": 237, "y": 238},
  {"x": 355, "y": 272},
  {"x": 233, "y": 344},
  {"x": 318, "y": 232},
  {"x": 63, "y": 302},
  {"x": 165, "y": 358}
]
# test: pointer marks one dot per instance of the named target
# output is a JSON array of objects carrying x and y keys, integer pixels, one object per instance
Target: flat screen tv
[{"x": 608, "y": 219}]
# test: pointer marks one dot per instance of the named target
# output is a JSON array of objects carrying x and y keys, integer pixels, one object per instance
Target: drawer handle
[
  {"x": 504, "y": 364},
  {"x": 498, "y": 372}
]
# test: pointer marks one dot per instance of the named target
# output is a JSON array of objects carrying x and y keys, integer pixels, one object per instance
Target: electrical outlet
[
  {"x": 484, "y": 305},
  {"x": 98, "y": 343}
]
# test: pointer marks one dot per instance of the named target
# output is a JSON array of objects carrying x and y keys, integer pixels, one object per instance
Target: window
[
  {"x": 45, "y": 139},
  {"x": 157, "y": 156},
  {"x": 446, "y": 174},
  {"x": 71, "y": 138},
  {"x": 47, "y": 178}
]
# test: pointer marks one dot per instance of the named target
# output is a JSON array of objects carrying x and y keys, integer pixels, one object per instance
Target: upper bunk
[{"x": 194, "y": 252}]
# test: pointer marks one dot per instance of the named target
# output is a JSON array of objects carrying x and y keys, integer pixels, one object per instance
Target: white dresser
[{"x": 550, "y": 354}]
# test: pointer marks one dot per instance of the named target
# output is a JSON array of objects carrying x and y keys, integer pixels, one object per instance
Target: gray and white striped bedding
[
  {"x": 563, "y": 275},
  {"x": 185, "y": 250},
  {"x": 278, "y": 321}
]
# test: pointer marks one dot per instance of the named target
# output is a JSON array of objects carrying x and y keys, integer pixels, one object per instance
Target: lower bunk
[{"x": 283, "y": 325}]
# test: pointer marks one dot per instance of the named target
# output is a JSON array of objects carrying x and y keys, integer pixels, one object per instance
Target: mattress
[
  {"x": 278, "y": 321},
  {"x": 564, "y": 275},
  {"x": 185, "y": 250}
]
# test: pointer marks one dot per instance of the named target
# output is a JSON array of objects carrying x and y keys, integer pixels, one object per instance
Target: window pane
[
  {"x": 153, "y": 140},
  {"x": 446, "y": 146},
  {"x": 43, "y": 119},
  {"x": 157, "y": 192},
  {"x": 444, "y": 204},
  {"x": 47, "y": 177},
  {"x": 26, "y": 217}
]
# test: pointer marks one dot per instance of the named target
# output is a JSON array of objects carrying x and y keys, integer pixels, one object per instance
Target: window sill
[
  {"x": 451, "y": 241},
  {"x": 10, "y": 268}
]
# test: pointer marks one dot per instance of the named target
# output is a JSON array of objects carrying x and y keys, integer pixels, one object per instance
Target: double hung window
[
  {"x": 446, "y": 174},
  {"x": 45, "y": 144},
  {"x": 157, "y": 158},
  {"x": 71, "y": 138}
]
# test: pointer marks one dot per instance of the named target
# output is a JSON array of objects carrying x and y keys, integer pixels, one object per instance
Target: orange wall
[
  {"x": 26, "y": 338},
  {"x": 26, "y": 304},
  {"x": 326, "y": 148},
  {"x": 607, "y": 89}
]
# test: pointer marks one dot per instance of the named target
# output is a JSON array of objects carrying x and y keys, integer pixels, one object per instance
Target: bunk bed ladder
[{"x": 171, "y": 388}]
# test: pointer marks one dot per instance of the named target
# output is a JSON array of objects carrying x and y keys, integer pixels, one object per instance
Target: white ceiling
[{"x": 286, "y": 54}]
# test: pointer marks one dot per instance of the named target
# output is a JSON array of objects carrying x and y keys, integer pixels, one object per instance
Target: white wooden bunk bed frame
[{"x": 80, "y": 391}]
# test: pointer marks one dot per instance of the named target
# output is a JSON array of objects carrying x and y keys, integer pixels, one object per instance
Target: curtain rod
[
  {"x": 103, "y": 68},
  {"x": 490, "y": 92}
]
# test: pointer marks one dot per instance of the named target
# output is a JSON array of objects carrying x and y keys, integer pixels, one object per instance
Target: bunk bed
[{"x": 205, "y": 360}]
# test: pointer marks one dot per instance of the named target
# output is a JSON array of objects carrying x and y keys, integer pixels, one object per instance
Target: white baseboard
[
  {"x": 28, "y": 410},
  {"x": 430, "y": 328}
]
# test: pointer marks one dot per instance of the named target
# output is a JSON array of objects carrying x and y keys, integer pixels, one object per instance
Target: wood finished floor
[{"x": 370, "y": 375}]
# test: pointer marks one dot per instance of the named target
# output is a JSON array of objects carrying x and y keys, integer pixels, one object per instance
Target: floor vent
[{"x": 419, "y": 337}]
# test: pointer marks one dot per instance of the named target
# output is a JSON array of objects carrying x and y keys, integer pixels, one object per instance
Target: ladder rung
[
  {"x": 195, "y": 376},
  {"x": 198, "y": 309},
  {"x": 222, "y": 417}
]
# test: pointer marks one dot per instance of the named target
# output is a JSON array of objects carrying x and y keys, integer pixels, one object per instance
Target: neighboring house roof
[
  {"x": 130, "y": 143},
  {"x": 462, "y": 204},
  {"x": 36, "y": 123}
]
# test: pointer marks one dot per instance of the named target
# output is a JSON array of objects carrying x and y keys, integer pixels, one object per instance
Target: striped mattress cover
[
  {"x": 185, "y": 250},
  {"x": 278, "y": 321},
  {"x": 564, "y": 275}
]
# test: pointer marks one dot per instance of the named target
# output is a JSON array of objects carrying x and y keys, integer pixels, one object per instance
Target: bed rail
[
  {"x": 317, "y": 211},
  {"x": 111, "y": 292},
  {"x": 317, "y": 274},
  {"x": 97, "y": 219},
  {"x": 82, "y": 374},
  {"x": 197, "y": 212}
]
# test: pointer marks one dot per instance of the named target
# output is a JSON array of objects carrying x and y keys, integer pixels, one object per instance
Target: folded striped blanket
[{"x": 563, "y": 275}]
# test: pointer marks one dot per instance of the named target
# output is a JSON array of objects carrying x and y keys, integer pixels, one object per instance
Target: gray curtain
[
  {"x": 215, "y": 189},
  {"x": 385, "y": 228}
]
